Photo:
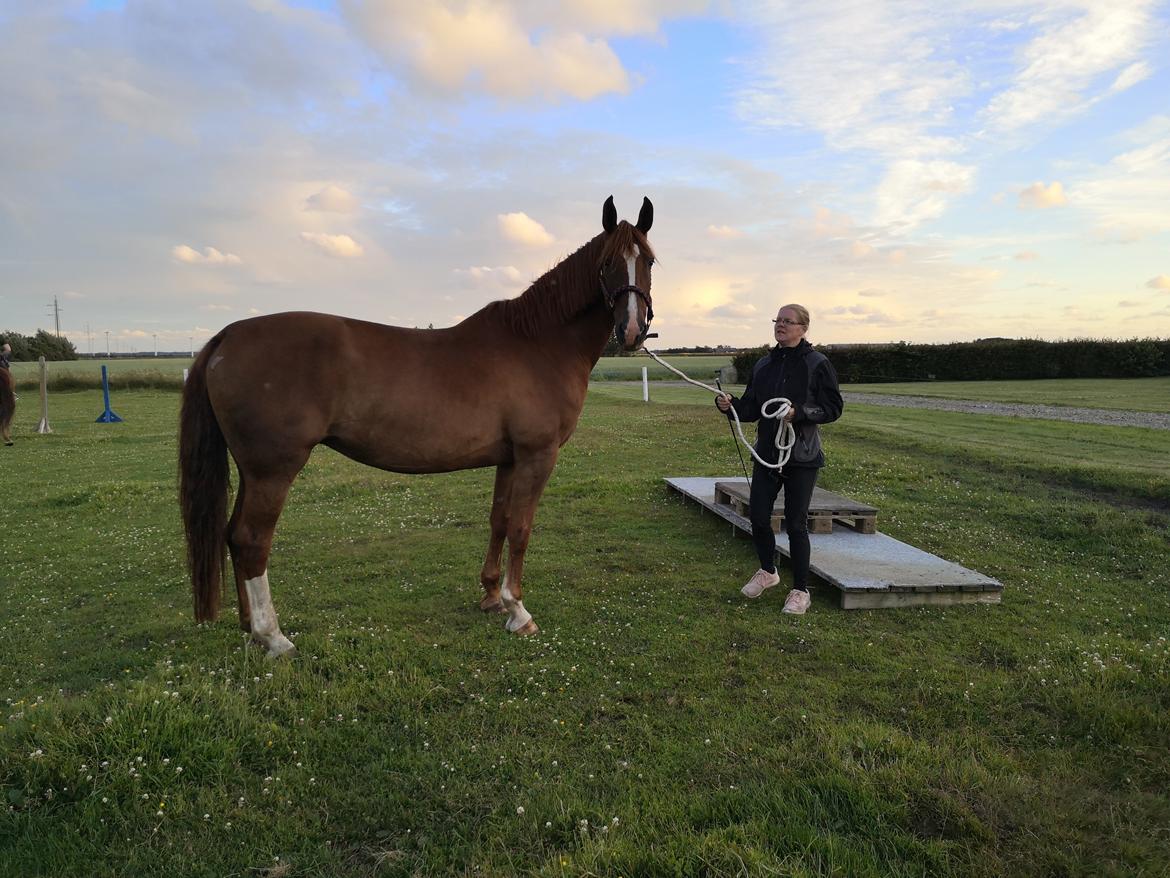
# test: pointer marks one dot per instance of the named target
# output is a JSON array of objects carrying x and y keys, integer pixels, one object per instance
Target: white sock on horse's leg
[
  {"x": 518, "y": 617},
  {"x": 265, "y": 628}
]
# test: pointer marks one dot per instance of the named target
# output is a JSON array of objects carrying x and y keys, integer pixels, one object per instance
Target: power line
[{"x": 56, "y": 312}]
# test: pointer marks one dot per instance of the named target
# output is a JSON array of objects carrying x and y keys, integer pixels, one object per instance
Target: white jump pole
[
  {"x": 43, "y": 426},
  {"x": 184, "y": 376},
  {"x": 645, "y": 386}
]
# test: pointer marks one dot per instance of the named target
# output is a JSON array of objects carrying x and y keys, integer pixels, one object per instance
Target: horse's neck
[{"x": 592, "y": 328}]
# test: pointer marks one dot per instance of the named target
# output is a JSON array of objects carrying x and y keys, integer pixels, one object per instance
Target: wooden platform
[
  {"x": 868, "y": 570},
  {"x": 824, "y": 508}
]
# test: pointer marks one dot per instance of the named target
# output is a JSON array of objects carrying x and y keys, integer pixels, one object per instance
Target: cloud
[
  {"x": 1131, "y": 76},
  {"x": 1129, "y": 196},
  {"x": 1161, "y": 282},
  {"x": 1129, "y": 303},
  {"x": 209, "y": 256},
  {"x": 865, "y": 75},
  {"x": 507, "y": 51},
  {"x": 1026, "y": 256},
  {"x": 734, "y": 310},
  {"x": 341, "y": 246},
  {"x": 915, "y": 191},
  {"x": 333, "y": 199},
  {"x": 520, "y": 228},
  {"x": 1039, "y": 196},
  {"x": 724, "y": 233},
  {"x": 871, "y": 293},
  {"x": 1064, "y": 62}
]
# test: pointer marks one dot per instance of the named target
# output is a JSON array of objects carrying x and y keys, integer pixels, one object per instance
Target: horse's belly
[{"x": 421, "y": 456}]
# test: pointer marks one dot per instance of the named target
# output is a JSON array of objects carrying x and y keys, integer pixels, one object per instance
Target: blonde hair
[{"x": 801, "y": 313}]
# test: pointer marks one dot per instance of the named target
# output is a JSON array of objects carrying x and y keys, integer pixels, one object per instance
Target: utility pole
[
  {"x": 107, "y": 344},
  {"x": 56, "y": 312},
  {"x": 89, "y": 338},
  {"x": 155, "y": 343},
  {"x": 191, "y": 341}
]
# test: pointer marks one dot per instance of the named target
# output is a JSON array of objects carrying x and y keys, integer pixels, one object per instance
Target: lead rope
[{"x": 775, "y": 408}]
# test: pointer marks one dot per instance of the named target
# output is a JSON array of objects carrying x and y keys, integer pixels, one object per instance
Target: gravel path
[
  {"x": 1108, "y": 417},
  {"x": 1112, "y": 417}
]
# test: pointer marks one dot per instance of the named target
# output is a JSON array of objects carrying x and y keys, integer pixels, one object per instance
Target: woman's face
[{"x": 788, "y": 329}]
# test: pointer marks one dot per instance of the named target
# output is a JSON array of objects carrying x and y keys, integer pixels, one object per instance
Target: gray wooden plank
[{"x": 858, "y": 564}]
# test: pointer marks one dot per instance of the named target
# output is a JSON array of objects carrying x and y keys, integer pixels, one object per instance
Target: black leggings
[{"x": 798, "y": 484}]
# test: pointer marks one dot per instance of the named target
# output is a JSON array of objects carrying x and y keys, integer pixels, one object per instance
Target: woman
[{"x": 805, "y": 377}]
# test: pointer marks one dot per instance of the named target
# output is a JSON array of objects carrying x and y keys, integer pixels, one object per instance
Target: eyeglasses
[{"x": 786, "y": 322}]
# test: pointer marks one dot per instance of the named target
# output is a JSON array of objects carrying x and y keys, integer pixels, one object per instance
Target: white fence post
[
  {"x": 43, "y": 426},
  {"x": 645, "y": 386}
]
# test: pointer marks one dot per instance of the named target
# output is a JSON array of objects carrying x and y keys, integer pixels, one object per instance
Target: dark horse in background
[
  {"x": 7, "y": 405},
  {"x": 504, "y": 388}
]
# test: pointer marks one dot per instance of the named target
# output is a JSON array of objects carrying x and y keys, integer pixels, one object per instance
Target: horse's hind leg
[
  {"x": 489, "y": 577},
  {"x": 253, "y": 523},
  {"x": 528, "y": 483}
]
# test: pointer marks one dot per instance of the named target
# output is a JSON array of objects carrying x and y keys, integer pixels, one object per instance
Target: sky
[{"x": 907, "y": 170}]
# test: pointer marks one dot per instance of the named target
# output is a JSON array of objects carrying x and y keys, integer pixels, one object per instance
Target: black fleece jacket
[{"x": 784, "y": 372}]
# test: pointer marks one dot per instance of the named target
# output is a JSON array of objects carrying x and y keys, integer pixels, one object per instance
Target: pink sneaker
[
  {"x": 796, "y": 602},
  {"x": 760, "y": 581}
]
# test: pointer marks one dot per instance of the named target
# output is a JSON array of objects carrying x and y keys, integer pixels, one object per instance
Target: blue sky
[{"x": 906, "y": 171}]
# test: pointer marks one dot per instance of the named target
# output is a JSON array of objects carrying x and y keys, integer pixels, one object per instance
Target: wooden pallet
[
  {"x": 824, "y": 508},
  {"x": 868, "y": 572}
]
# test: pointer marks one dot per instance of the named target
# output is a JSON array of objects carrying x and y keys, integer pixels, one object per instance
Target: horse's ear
[
  {"x": 645, "y": 216},
  {"x": 609, "y": 215}
]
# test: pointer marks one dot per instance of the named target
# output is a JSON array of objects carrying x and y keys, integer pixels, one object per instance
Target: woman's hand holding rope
[{"x": 777, "y": 408}]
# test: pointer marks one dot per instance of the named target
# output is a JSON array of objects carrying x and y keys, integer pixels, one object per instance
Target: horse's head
[{"x": 625, "y": 273}]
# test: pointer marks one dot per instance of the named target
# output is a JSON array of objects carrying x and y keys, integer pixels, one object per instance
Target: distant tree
[
  {"x": 43, "y": 344},
  {"x": 19, "y": 344}
]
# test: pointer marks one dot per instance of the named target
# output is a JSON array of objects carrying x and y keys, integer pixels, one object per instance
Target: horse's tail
[
  {"x": 7, "y": 400},
  {"x": 203, "y": 488}
]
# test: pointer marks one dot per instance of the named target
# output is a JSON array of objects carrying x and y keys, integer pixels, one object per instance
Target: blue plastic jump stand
[{"x": 108, "y": 416}]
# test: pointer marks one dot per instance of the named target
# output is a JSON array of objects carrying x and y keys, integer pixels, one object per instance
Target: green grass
[
  {"x": 1135, "y": 394},
  {"x": 1029, "y": 738}
]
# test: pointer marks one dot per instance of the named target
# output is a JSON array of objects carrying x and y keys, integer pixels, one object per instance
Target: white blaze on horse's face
[{"x": 633, "y": 325}]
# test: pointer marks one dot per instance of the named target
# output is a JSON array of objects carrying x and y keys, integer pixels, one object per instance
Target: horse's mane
[{"x": 570, "y": 286}]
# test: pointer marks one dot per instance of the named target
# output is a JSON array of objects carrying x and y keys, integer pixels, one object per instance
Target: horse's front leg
[
  {"x": 528, "y": 483},
  {"x": 489, "y": 577}
]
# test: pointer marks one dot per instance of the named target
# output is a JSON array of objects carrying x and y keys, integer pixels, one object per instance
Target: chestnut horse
[{"x": 503, "y": 388}]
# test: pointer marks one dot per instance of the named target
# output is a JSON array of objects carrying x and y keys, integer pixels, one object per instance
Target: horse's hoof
[
  {"x": 527, "y": 629},
  {"x": 492, "y": 605},
  {"x": 278, "y": 647},
  {"x": 276, "y": 654}
]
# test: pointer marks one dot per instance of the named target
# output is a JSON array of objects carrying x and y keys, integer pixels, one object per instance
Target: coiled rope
[{"x": 776, "y": 408}]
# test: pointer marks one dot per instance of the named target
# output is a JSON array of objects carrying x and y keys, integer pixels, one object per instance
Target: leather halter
[{"x": 611, "y": 297}]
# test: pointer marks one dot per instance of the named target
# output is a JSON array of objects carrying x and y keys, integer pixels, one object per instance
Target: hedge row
[{"x": 990, "y": 359}]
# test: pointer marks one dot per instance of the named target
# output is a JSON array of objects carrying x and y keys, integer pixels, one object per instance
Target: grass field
[{"x": 659, "y": 724}]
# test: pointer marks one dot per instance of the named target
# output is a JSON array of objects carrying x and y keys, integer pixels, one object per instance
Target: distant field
[
  {"x": 1133, "y": 394},
  {"x": 138, "y": 373},
  {"x": 701, "y": 368},
  {"x": 166, "y": 373}
]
